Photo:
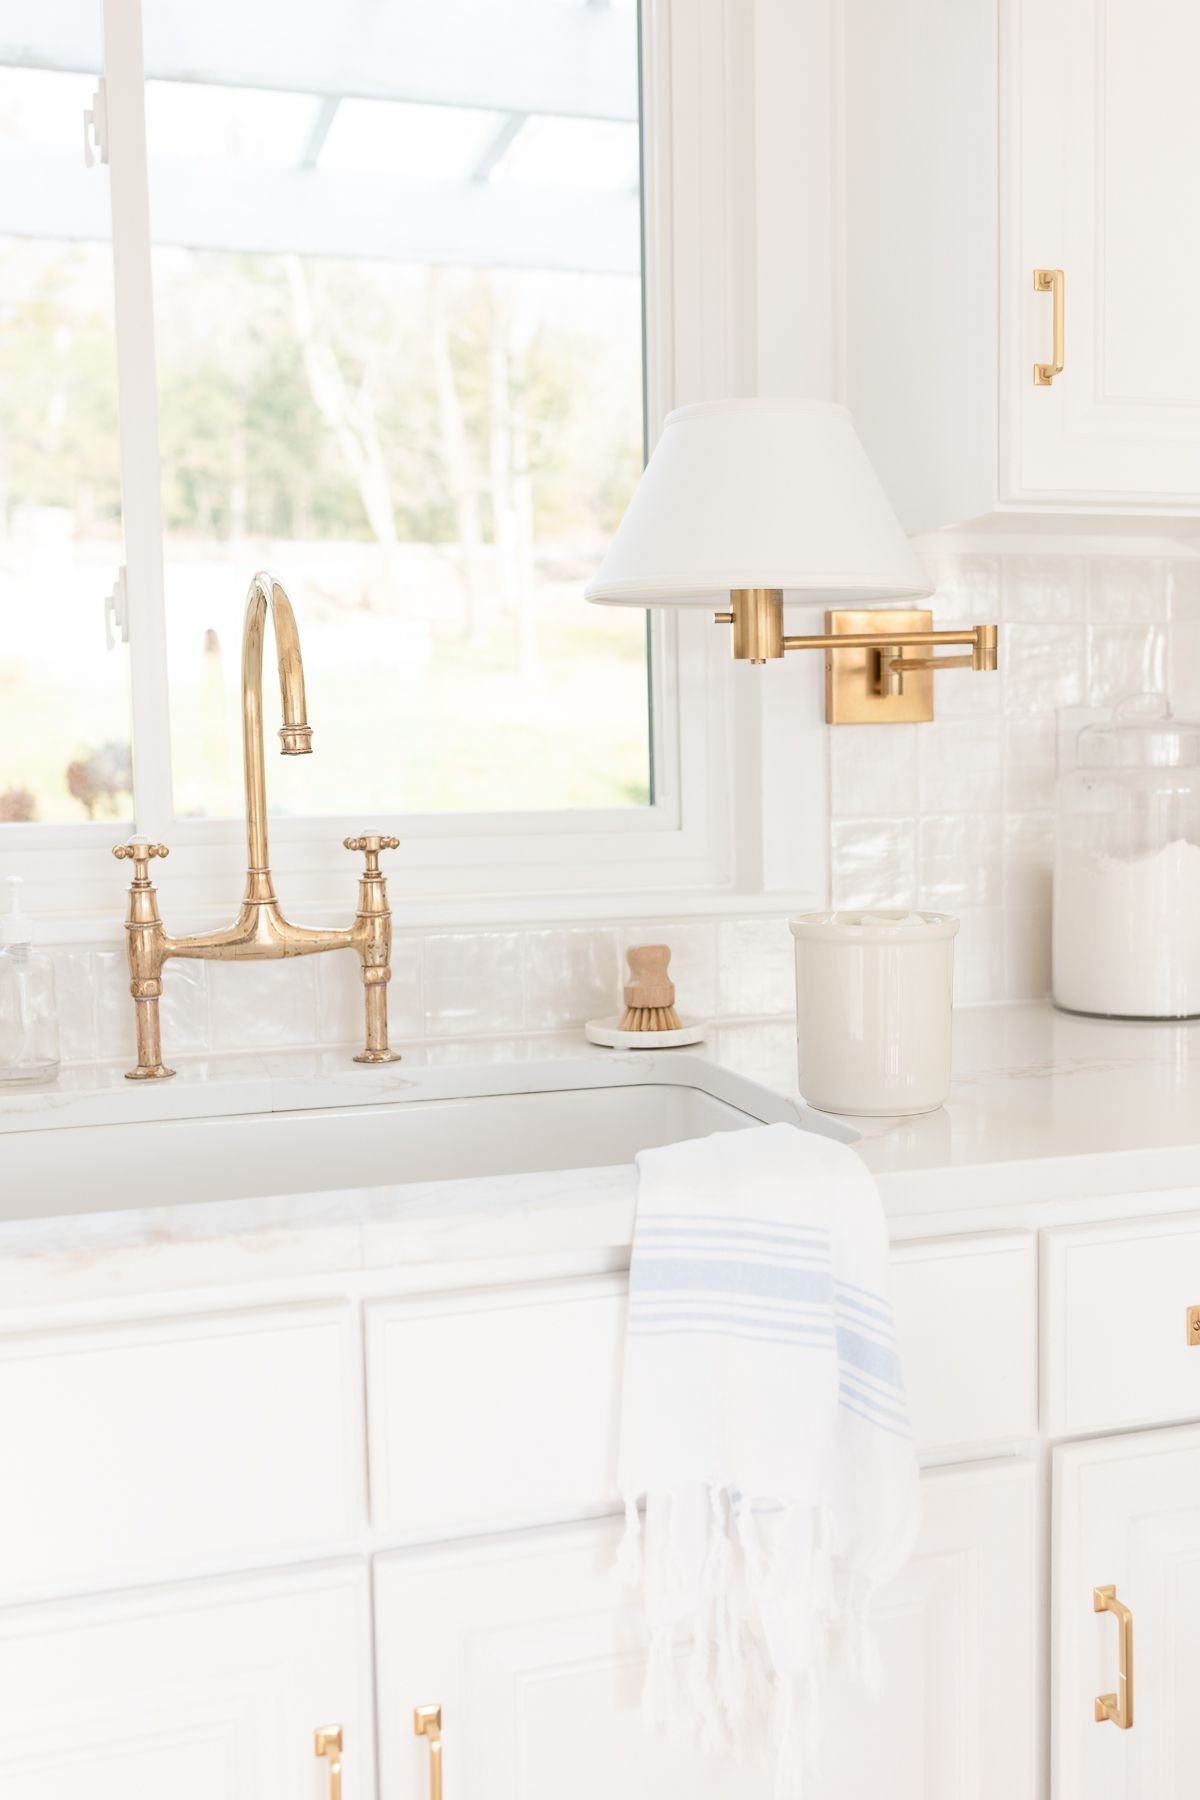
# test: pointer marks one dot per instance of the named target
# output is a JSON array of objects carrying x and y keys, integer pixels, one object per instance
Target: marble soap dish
[
  {"x": 608, "y": 1033},
  {"x": 650, "y": 1021}
]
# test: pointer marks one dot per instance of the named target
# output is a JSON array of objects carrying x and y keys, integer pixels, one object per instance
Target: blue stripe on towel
[
  {"x": 749, "y": 1331},
  {"x": 860, "y": 1353},
  {"x": 871, "y": 1417},
  {"x": 873, "y": 1305},
  {"x": 768, "y": 1281},
  {"x": 809, "y": 1241},
  {"x": 671, "y": 1311},
  {"x": 706, "y": 1221}
]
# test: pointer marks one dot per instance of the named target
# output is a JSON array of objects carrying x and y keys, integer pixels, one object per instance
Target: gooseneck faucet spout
[
  {"x": 295, "y": 735},
  {"x": 260, "y": 931}
]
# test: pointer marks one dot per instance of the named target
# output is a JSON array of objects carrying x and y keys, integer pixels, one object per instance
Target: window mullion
[{"x": 141, "y": 491}]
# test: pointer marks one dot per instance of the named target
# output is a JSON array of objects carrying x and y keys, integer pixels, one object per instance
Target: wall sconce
[{"x": 744, "y": 499}]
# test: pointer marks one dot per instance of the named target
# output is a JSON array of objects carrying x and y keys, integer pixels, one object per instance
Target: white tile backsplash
[
  {"x": 755, "y": 968},
  {"x": 958, "y": 815},
  {"x": 570, "y": 976},
  {"x": 1124, "y": 660},
  {"x": 444, "y": 985},
  {"x": 973, "y": 831},
  {"x": 874, "y": 862},
  {"x": 473, "y": 982}
]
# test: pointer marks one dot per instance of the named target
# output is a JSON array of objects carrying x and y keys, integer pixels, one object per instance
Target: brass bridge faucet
[{"x": 260, "y": 932}]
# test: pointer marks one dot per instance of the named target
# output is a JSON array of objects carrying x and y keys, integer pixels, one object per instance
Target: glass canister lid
[{"x": 1143, "y": 734}]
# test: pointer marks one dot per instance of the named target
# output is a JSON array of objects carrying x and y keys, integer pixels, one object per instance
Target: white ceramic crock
[{"x": 873, "y": 1010}]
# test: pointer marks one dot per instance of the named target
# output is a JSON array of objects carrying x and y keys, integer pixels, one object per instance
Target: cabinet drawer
[
  {"x": 171, "y": 1446},
  {"x": 500, "y": 1407},
  {"x": 494, "y": 1406},
  {"x": 966, "y": 1321},
  {"x": 1115, "y": 1315}
]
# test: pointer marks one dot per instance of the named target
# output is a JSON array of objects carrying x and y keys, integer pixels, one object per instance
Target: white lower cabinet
[
  {"x": 536, "y": 1664},
  {"x": 1127, "y": 1516},
  {"x": 206, "y": 1691},
  {"x": 186, "y": 1546}
]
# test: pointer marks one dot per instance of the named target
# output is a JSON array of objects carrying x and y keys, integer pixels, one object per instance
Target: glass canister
[{"x": 1127, "y": 868}]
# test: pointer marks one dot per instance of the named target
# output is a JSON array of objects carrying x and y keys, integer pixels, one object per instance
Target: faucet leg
[
  {"x": 150, "y": 1065},
  {"x": 375, "y": 982},
  {"x": 144, "y": 941}
]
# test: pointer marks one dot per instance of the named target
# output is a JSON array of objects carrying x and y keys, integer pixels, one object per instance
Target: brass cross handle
[
  {"x": 139, "y": 851},
  {"x": 371, "y": 843}
]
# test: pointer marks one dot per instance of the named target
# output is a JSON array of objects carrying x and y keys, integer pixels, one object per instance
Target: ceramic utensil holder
[{"x": 873, "y": 1010}]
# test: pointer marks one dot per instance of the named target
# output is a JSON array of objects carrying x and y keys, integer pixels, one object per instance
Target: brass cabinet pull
[
  {"x": 1052, "y": 281},
  {"x": 327, "y": 1742},
  {"x": 427, "y": 1723},
  {"x": 1117, "y": 1707}
]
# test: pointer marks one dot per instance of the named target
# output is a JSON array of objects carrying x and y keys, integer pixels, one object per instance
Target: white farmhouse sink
[{"x": 102, "y": 1168}]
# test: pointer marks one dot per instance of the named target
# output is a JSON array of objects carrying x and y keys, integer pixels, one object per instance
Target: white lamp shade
[{"x": 757, "y": 494}]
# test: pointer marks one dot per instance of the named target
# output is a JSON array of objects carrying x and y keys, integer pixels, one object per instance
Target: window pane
[
  {"x": 64, "y": 698},
  {"x": 398, "y": 314}
]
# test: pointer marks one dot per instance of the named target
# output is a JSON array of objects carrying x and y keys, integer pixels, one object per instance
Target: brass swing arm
[{"x": 865, "y": 668}]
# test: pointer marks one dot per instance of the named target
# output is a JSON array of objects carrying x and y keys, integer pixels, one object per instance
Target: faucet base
[
  {"x": 152, "y": 1072},
  {"x": 378, "y": 1056}
]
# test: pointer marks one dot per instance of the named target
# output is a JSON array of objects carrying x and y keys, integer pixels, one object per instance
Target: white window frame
[{"x": 712, "y": 732}]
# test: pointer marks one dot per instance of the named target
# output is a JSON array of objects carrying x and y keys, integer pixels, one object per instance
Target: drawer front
[
  {"x": 501, "y": 1407},
  {"x": 495, "y": 1406},
  {"x": 1115, "y": 1324},
  {"x": 172, "y": 1446},
  {"x": 966, "y": 1320}
]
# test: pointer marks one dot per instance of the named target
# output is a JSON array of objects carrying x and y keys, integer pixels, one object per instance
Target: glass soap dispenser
[{"x": 28, "y": 1006}]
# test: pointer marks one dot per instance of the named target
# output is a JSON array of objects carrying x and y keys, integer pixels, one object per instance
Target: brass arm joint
[{"x": 868, "y": 678}]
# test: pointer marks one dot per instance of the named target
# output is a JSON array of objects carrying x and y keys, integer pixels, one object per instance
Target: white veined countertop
[{"x": 1051, "y": 1119}]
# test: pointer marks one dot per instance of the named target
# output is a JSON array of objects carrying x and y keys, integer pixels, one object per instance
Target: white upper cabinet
[{"x": 984, "y": 142}]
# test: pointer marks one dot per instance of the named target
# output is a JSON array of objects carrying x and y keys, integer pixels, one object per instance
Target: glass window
[
  {"x": 64, "y": 696},
  {"x": 398, "y": 304}
]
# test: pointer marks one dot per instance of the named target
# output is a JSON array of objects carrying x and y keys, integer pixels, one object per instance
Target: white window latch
[
  {"x": 116, "y": 612},
  {"x": 95, "y": 127}
]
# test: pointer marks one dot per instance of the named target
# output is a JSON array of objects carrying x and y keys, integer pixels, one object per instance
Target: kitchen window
[{"x": 379, "y": 326}]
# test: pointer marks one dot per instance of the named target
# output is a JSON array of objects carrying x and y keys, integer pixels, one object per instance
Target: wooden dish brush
[
  {"x": 650, "y": 994},
  {"x": 649, "y": 1021}
]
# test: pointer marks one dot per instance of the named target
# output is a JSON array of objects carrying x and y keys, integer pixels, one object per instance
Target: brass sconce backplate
[{"x": 853, "y": 684}]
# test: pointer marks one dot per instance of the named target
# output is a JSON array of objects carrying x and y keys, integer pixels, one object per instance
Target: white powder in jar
[{"x": 1127, "y": 932}]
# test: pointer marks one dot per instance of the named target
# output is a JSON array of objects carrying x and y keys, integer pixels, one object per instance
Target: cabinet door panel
[
  {"x": 1109, "y": 146},
  {"x": 1126, "y": 1515},
  {"x": 537, "y": 1665},
  {"x": 205, "y": 1692}
]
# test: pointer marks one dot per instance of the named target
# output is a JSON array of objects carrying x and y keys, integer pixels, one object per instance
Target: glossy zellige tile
[
  {"x": 570, "y": 977},
  {"x": 874, "y": 863},
  {"x": 873, "y": 774},
  {"x": 962, "y": 766},
  {"x": 473, "y": 982},
  {"x": 960, "y": 860},
  {"x": 1124, "y": 660},
  {"x": 755, "y": 968},
  {"x": 1044, "y": 590}
]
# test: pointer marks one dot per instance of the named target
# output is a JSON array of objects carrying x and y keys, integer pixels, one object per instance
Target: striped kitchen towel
[{"x": 766, "y": 1460}]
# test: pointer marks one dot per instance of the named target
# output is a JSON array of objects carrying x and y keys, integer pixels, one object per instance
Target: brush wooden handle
[{"x": 650, "y": 985}]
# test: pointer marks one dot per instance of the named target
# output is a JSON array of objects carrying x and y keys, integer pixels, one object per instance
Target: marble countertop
[{"x": 1050, "y": 1117}]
